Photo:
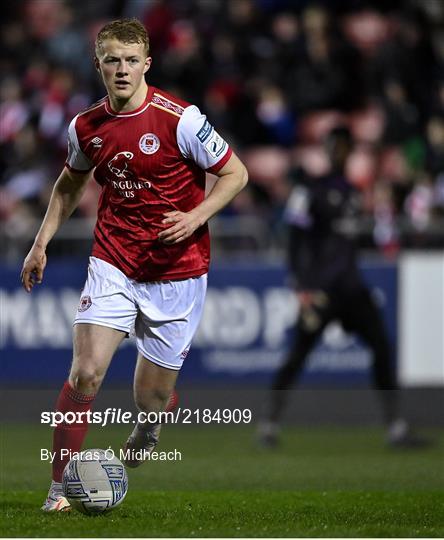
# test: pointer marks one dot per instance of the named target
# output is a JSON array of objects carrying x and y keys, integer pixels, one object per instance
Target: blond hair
[{"x": 124, "y": 30}]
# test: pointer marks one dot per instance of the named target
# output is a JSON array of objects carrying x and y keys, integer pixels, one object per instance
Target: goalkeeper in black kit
[{"x": 324, "y": 269}]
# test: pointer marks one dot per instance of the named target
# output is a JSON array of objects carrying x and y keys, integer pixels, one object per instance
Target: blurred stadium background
[{"x": 274, "y": 76}]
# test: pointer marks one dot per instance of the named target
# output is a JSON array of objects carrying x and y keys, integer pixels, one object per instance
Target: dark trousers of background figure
[{"x": 357, "y": 311}]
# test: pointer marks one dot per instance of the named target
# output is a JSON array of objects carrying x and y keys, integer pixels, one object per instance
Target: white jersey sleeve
[
  {"x": 198, "y": 140},
  {"x": 76, "y": 159}
]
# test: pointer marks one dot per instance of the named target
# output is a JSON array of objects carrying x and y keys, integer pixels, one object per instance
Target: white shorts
[{"x": 164, "y": 315}]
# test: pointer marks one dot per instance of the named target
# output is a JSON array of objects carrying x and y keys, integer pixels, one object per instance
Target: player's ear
[
  {"x": 97, "y": 63},
  {"x": 147, "y": 64}
]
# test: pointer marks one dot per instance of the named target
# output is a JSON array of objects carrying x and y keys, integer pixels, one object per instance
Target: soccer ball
[{"x": 95, "y": 481}]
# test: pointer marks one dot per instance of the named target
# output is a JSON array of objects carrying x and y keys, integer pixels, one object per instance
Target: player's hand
[
  {"x": 183, "y": 224},
  {"x": 33, "y": 267}
]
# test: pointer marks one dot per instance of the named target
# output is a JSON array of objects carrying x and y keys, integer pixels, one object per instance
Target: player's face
[{"x": 123, "y": 66}]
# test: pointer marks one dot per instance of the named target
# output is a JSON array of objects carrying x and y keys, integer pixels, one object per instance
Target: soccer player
[
  {"x": 149, "y": 152},
  {"x": 324, "y": 267}
]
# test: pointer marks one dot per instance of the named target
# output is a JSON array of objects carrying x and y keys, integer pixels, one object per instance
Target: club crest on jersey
[
  {"x": 149, "y": 143},
  {"x": 85, "y": 303},
  {"x": 119, "y": 165}
]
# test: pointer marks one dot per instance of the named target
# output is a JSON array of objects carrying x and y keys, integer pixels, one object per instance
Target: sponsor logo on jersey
[
  {"x": 85, "y": 303},
  {"x": 216, "y": 145},
  {"x": 149, "y": 143},
  {"x": 184, "y": 354},
  {"x": 119, "y": 164},
  {"x": 97, "y": 142},
  {"x": 126, "y": 181},
  {"x": 204, "y": 132}
]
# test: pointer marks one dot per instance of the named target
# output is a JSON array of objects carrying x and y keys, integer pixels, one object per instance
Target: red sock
[
  {"x": 172, "y": 402},
  {"x": 69, "y": 436}
]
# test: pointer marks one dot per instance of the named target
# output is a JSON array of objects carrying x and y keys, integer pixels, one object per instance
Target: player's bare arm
[
  {"x": 233, "y": 178},
  {"x": 65, "y": 197}
]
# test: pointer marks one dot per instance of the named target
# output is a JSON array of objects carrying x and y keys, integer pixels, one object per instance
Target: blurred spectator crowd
[{"x": 273, "y": 76}]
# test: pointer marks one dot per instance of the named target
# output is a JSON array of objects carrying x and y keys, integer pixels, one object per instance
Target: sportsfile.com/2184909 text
[{"x": 113, "y": 415}]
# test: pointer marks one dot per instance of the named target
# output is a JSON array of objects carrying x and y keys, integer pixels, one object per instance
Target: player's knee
[
  {"x": 86, "y": 380},
  {"x": 153, "y": 399}
]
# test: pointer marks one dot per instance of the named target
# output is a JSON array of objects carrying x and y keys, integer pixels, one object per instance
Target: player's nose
[{"x": 122, "y": 69}]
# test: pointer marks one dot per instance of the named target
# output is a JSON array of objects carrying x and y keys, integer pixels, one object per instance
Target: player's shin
[
  {"x": 145, "y": 436},
  {"x": 69, "y": 435}
]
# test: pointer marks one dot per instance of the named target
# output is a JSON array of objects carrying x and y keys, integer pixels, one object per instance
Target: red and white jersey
[{"x": 148, "y": 161}]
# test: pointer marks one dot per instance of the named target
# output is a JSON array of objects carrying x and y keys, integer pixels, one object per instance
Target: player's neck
[{"x": 131, "y": 104}]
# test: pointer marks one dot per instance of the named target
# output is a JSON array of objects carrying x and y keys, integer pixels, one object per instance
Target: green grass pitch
[{"x": 322, "y": 482}]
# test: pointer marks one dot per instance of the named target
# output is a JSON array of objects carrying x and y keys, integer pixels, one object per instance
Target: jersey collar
[{"x": 139, "y": 109}]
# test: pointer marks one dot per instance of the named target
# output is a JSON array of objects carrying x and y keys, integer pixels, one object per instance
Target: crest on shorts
[
  {"x": 149, "y": 143},
  {"x": 85, "y": 303}
]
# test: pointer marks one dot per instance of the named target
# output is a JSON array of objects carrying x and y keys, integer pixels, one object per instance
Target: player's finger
[
  {"x": 24, "y": 274},
  {"x": 26, "y": 280},
  {"x": 174, "y": 237},
  {"x": 171, "y": 230},
  {"x": 170, "y": 239},
  {"x": 171, "y": 217},
  {"x": 180, "y": 239},
  {"x": 39, "y": 274}
]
